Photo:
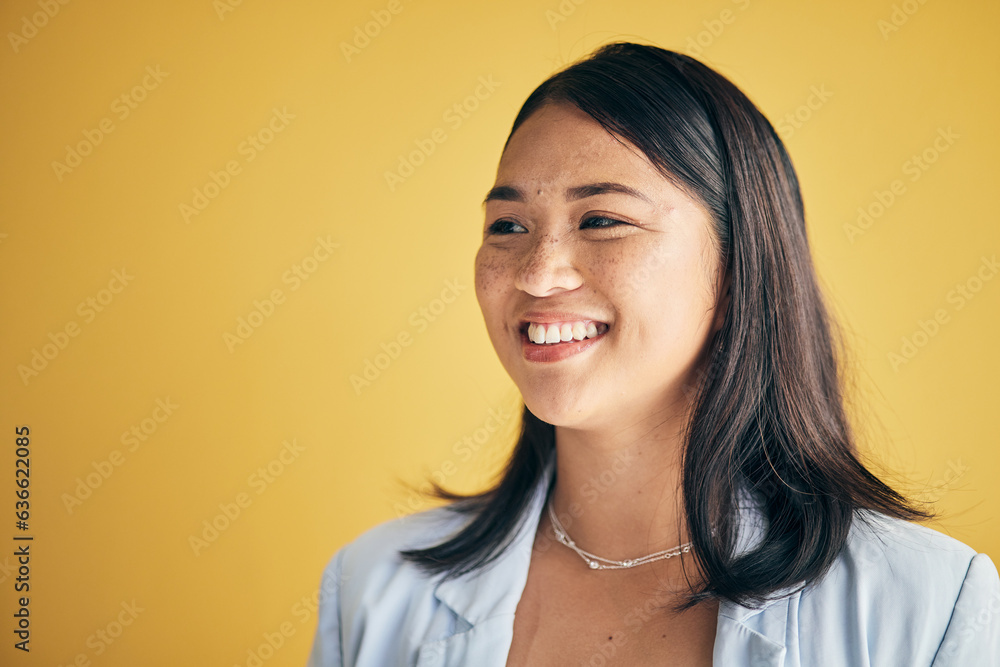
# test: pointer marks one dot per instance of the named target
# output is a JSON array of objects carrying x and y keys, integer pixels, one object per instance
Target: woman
[{"x": 686, "y": 488}]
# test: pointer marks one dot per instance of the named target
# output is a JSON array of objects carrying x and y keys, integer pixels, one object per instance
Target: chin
[{"x": 558, "y": 411}]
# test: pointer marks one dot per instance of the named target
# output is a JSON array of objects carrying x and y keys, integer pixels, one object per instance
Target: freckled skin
[{"x": 654, "y": 279}]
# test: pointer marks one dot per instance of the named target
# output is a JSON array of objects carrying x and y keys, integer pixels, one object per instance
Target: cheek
[
  {"x": 665, "y": 294},
  {"x": 638, "y": 277},
  {"x": 679, "y": 301},
  {"x": 610, "y": 270},
  {"x": 491, "y": 279}
]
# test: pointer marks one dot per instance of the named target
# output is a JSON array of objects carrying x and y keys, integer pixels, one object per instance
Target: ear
[{"x": 722, "y": 306}]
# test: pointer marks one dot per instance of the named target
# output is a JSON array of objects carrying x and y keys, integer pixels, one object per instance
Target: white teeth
[{"x": 549, "y": 334}]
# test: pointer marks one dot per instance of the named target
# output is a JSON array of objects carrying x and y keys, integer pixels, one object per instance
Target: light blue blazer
[{"x": 900, "y": 594}]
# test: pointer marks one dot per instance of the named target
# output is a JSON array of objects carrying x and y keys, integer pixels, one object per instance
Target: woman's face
[{"x": 582, "y": 232}]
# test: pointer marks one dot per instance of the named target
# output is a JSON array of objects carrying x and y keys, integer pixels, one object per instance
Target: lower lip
[{"x": 556, "y": 351}]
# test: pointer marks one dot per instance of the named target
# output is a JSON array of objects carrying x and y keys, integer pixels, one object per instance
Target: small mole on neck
[{"x": 539, "y": 192}]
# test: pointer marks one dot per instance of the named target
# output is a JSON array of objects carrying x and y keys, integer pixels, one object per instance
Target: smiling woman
[{"x": 686, "y": 487}]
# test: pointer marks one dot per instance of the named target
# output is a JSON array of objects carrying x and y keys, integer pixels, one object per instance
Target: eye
[
  {"x": 503, "y": 227},
  {"x": 601, "y": 222}
]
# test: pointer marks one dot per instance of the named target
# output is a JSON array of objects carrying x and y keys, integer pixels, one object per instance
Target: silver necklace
[{"x": 598, "y": 563}]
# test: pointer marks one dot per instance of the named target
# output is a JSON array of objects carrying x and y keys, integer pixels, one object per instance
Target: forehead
[{"x": 560, "y": 143}]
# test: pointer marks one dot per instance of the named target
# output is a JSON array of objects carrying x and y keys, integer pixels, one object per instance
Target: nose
[{"x": 548, "y": 267}]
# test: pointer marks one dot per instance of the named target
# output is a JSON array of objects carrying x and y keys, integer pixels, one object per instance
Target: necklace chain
[{"x": 597, "y": 562}]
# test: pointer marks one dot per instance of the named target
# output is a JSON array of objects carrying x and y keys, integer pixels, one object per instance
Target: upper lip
[{"x": 553, "y": 317}]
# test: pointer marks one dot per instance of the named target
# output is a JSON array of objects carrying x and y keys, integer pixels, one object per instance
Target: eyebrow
[{"x": 512, "y": 193}]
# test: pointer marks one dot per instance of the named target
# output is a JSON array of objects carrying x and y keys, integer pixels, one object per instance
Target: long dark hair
[{"x": 768, "y": 410}]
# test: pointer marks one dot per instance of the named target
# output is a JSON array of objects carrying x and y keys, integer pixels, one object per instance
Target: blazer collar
[
  {"x": 497, "y": 588},
  {"x": 485, "y": 601}
]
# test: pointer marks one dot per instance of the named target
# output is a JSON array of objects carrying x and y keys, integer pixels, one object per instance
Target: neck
[{"x": 617, "y": 492}]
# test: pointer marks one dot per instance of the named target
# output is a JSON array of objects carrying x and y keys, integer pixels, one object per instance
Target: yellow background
[{"x": 886, "y": 95}]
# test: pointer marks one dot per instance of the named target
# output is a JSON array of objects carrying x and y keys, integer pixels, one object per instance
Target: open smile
[{"x": 549, "y": 342}]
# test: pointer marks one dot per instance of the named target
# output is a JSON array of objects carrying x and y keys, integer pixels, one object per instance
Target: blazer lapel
[
  {"x": 484, "y": 603},
  {"x": 485, "y": 600},
  {"x": 737, "y": 643}
]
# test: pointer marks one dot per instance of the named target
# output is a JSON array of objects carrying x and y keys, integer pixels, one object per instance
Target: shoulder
[
  {"x": 885, "y": 552},
  {"x": 921, "y": 569},
  {"x": 897, "y": 583},
  {"x": 372, "y": 558},
  {"x": 370, "y": 595}
]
